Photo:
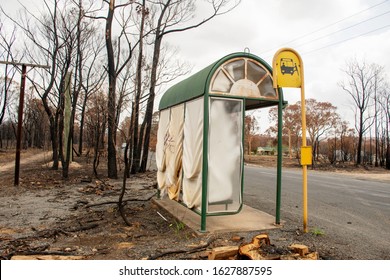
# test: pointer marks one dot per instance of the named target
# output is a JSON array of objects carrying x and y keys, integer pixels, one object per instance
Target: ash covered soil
[{"x": 79, "y": 218}]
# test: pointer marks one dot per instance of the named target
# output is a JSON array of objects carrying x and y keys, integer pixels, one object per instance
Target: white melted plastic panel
[
  {"x": 243, "y": 77},
  {"x": 193, "y": 153},
  {"x": 225, "y": 155}
]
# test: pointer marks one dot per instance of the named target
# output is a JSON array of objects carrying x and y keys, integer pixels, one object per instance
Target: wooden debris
[
  {"x": 187, "y": 251},
  {"x": 125, "y": 245},
  {"x": 250, "y": 251},
  {"x": 302, "y": 250},
  {"x": 46, "y": 257},
  {"x": 310, "y": 256},
  {"x": 125, "y": 200},
  {"x": 223, "y": 253},
  {"x": 237, "y": 238},
  {"x": 261, "y": 239},
  {"x": 260, "y": 248}
]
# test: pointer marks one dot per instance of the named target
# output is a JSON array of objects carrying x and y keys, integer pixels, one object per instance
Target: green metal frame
[
  {"x": 198, "y": 85},
  {"x": 279, "y": 159}
]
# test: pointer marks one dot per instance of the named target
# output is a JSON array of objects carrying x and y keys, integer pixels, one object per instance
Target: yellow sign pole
[
  {"x": 304, "y": 166},
  {"x": 288, "y": 72}
]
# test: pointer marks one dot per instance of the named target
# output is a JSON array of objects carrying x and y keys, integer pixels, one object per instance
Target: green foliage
[
  {"x": 317, "y": 232},
  {"x": 177, "y": 226}
]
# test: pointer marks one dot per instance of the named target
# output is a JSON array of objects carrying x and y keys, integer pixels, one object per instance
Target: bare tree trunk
[
  {"x": 388, "y": 156},
  {"x": 172, "y": 12},
  {"x": 76, "y": 91},
  {"x": 147, "y": 124},
  {"x": 55, "y": 140},
  {"x": 129, "y": 150},
  {"x": 387, "y": 118},
  {"x": 360, "y": 142},
  {"x": 96, "y": 149},
  {"x": 82, "y": 120},
  {"x": 111, "y": 106},
  {"x": 136, "y": 151}
]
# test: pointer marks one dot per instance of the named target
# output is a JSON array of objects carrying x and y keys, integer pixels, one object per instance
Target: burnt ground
[{"x": 79, "y": 218}]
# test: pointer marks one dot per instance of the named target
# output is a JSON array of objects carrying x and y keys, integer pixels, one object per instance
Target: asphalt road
[{"x": 356, "y": 212}]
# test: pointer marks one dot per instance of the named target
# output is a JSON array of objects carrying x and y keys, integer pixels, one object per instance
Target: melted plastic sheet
[
  {"x": 179, "y": 154},
  {"x": 161, "y": 147},
  {"x": 193, "y": 153},
  {"x": 225, "y": 155},
  {"x": 169, "y": 179}
]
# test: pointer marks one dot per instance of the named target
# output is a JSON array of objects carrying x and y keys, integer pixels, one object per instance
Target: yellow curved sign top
[{"x": 287, "y": 67}]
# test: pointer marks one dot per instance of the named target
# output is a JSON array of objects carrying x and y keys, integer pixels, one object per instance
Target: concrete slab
[{"x": 249, "y": 219}]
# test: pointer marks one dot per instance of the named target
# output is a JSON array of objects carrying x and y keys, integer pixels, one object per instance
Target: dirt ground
[{"x": 79, "y": 217}]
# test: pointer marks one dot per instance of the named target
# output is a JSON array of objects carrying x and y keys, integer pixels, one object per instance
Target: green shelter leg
[
  {"x": 205, "y": 165},
  {"x": 279, "y": 163}
]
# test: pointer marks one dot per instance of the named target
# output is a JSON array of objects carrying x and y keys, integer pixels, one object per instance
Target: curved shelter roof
[{"x": 237, "y": 75}]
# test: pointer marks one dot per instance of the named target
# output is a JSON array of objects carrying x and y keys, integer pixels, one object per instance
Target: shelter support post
[
  {"x": 279, "y": 161},
  {"x": 205, "y": 165}
]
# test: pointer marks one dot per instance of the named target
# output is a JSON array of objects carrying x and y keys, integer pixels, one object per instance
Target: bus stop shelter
[{"x": 200, "y": 139}]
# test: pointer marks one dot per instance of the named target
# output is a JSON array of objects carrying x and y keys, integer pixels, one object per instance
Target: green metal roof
[
  {"x": 187, "y": 89},
  {"x": 197, "y": 84}
]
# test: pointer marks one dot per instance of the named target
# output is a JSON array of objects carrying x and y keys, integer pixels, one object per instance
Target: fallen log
[
  {"x": 310, "y": 256},
  {"x": 223, "y": 253},
  {"x": 47, "y": 257},
  {"x": 261, "y": 239},
  {"x": 179, "y": 251},
  {"x": 250, "y": 251},
  {"x": 82, "y": 228},
  {"x": 116, "y": 202},
  {"x": 302, "y": 250},
  {"x": 20, "y": 246}
]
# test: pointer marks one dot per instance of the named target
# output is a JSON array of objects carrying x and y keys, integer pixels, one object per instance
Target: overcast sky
[{"x": 326, "y": 33}]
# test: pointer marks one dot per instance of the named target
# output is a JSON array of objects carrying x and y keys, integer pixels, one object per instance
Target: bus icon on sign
[{"x": 288, "y": 66}]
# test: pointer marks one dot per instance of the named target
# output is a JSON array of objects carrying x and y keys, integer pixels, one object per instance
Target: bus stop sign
[{"x": 287, "y": 67}]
